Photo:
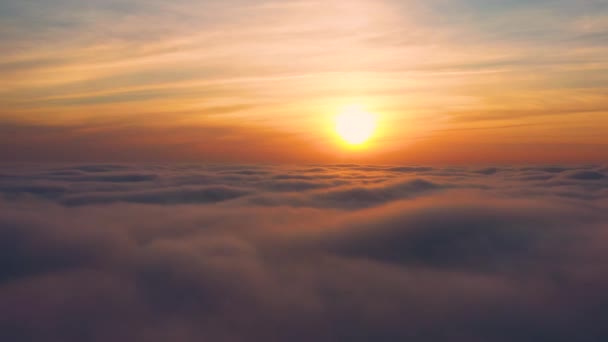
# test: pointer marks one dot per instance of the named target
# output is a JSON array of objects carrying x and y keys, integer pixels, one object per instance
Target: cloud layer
[{"x": 302, "y": 253}]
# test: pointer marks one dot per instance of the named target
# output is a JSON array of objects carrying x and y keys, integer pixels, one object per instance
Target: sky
[
  {"x": 459, "y": 81},
  {"x": 306, "y": 170}
]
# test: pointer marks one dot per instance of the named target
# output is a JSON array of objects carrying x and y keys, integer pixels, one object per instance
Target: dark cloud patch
[
  {"x": 43, "y": 190},
  {"x": 488, "y": 171},
  {"x": 493, "y": 237},
  {"x": 34, "y": 247},
  {"x": 586, "y": 175},
  {"x": 113, "y": 178},
  {"x": 305, "y": 177},
  {"x": 549, "y": 169},
  {"x": 535, "y": 177},
  {"x": 247, "y": 172},
  {"x": 101, "y": 168},
  {"x": 65, "y": 173},
  {"x": 289, "y": 177},
  {"x": 363, "y": 197},
  {"x": 171, "y": 196}
]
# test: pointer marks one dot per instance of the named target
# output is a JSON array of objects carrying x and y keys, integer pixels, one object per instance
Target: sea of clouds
[{"x": 303, "y": 253}]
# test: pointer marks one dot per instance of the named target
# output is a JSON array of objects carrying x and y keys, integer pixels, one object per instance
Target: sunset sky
[
  {"x": 303, "y": 170},
  {"x": 458, "y": 81}
]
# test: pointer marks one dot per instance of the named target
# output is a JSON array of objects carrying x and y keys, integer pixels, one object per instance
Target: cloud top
[{"x": 223, "y": 253}]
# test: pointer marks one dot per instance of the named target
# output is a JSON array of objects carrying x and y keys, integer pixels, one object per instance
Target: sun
[{"x": 355, "y": 125}]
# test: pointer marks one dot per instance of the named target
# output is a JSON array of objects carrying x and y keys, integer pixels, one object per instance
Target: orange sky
[{"x": 465, "y": 81}]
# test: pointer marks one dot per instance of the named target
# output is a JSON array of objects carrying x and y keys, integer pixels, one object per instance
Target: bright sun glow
[{"x": 355, "y": 126}]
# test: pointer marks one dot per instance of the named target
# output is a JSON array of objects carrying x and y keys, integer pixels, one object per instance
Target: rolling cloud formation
[{"x": 303, "y": 253}]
